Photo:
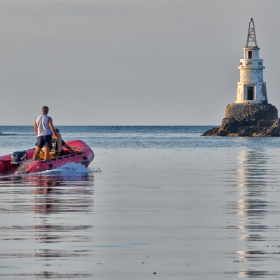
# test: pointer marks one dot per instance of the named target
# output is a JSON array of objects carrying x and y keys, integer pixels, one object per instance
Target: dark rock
[
  {"x": 246, "y": 120},
  {"x": 211, "y": 132},
  {"x": 272, "y": 131}
]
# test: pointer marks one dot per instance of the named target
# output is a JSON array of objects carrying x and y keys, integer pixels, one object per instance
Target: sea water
[{"x": 156, "y": 203}]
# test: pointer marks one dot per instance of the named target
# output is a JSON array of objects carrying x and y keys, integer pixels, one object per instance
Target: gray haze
[{"x": 130, "y": 62}]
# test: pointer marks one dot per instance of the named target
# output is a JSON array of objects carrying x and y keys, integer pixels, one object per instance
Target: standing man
[{"x": 43, "y": 128}]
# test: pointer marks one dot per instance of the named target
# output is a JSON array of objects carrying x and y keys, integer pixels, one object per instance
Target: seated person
[{"x": 64, "y": 144}]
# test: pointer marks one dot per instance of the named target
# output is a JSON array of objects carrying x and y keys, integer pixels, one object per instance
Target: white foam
[{"x": 71, "y": 167}]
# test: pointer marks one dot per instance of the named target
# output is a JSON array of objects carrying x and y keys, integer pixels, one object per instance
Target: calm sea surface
[{"x": 156, "y": 203}]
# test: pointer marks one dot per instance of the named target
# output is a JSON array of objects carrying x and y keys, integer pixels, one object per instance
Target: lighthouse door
[{"x": 250, "y": 93}]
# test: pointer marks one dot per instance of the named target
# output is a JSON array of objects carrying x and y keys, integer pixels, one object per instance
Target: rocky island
[
  {"x": 257, "y": 120},
  {"x": 251, "y": 114}
]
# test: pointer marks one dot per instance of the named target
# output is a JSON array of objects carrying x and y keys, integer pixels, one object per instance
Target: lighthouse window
[
  {"x": 250, "y": 93},
  {"x": 250, "y": 54}
]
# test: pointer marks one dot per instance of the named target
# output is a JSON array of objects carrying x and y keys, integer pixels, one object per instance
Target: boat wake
[
  {"x": 71, "y": 168},
  {"x": 22, "y": 169}
]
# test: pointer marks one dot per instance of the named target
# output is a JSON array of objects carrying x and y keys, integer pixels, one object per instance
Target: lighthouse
[
  {"x": 251, "y": 114},
  {"x": 251, "y": 87}
]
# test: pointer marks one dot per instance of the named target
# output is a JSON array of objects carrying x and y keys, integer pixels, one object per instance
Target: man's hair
[
  {"x": 57, "y": 130},
  {"x": 45, "y": 109}
]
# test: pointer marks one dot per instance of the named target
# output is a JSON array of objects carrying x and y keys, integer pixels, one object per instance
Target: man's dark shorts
[{"x": 44, "y": 141}]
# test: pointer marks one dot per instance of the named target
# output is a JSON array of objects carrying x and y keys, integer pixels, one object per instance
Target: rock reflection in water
[
  {"x": 254, "y": 210},
  {"x": 45, "y": 221}
]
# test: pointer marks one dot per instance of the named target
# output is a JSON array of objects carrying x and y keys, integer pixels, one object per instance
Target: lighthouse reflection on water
[{"x": 253, "y": 209}]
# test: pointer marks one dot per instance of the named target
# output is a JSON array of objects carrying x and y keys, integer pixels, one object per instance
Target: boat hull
[{"x": 84, "y": 155}]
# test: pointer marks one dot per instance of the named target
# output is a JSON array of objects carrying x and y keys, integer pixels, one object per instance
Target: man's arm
[
  {"x": 35, "y": 128},
  {"x": 52, "y": 127},
  {"x": 69, "y": 148}
]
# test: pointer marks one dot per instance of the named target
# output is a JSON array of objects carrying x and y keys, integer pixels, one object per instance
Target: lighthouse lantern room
[{"x": 251, "y": 87}]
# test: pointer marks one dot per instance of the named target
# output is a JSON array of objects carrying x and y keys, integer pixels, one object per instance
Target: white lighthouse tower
[{"x": 251, "y": 88}]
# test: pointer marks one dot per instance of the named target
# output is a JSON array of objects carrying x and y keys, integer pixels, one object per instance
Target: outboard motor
[{"x": 18, "y": 157}]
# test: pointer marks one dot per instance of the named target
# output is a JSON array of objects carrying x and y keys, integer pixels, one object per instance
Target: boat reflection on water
[
  {"x": 60, "y": 193},
  {"x": 255, "y": 209},
  {"x": 57, "y": 227}
]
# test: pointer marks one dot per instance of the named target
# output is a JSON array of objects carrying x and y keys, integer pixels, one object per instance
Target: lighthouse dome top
[{"x": 251, "y": 37}]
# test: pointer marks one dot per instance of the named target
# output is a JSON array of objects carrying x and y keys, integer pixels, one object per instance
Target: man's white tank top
[{"x": 43, "y": 125}]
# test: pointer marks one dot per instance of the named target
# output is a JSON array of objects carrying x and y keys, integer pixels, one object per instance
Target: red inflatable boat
[{"x": 21, "y": 161}]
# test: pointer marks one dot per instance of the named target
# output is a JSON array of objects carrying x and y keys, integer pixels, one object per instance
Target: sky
[{"x": 130, "y": 62}]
